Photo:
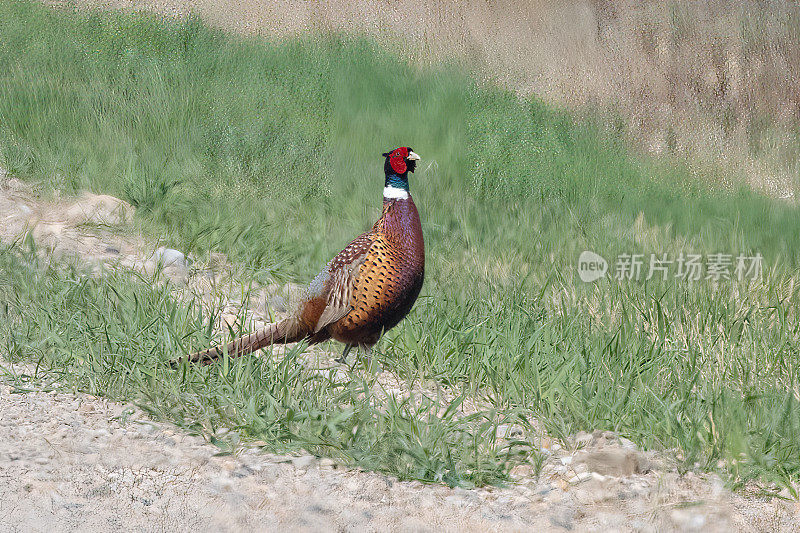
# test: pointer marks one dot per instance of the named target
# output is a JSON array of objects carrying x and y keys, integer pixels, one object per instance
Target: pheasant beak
[{"x": 412, "y": 156}]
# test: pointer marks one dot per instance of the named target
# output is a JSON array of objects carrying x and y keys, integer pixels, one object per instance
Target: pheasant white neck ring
[{"x": 395, "y": 193}]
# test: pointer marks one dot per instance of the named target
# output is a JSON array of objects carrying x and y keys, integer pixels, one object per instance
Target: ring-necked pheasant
[{"x": 363, "y": 291}]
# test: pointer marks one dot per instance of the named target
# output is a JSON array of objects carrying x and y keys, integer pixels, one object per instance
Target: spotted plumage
[{"x": 366, "y": 289}]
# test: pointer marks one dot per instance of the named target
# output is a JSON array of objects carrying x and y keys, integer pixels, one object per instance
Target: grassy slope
[{"x": 270, "y": 152}]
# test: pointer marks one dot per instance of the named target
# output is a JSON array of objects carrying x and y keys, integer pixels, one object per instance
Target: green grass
[
  {"x": 114, "y": 336},
  {"x": 270, "y": 152}
]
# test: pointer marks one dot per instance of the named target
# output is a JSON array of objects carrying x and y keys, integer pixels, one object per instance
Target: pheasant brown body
[{"x": 366, "y": 289}]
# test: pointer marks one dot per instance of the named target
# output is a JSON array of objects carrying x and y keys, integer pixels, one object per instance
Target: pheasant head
[{"x": 399, "y": 162}]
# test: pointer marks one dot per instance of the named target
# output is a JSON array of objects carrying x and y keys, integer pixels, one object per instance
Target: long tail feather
[{"x": 285, "y": 331}]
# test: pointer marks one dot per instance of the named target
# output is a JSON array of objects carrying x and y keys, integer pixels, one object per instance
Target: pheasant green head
[{"x": 399, "y": 162}]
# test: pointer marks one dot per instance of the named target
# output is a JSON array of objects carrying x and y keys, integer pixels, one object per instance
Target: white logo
[{"x": 591, "y": 266}]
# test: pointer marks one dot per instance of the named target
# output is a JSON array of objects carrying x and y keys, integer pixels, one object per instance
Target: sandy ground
[{"x": 72, "y": 462}]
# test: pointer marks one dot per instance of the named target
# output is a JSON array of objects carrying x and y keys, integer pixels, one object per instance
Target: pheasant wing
[{"x": 337, "y": 280}]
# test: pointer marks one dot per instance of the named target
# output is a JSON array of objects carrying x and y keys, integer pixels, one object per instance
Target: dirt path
[{"x": 75, "y": 462}]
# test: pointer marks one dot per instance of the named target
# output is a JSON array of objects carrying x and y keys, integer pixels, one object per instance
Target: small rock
[
  {"x": 327, "y": 462},
  {"x": 169, "y": 257}
]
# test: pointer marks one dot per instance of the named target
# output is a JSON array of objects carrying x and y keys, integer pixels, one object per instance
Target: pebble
[{"x": 169, "y": 257}]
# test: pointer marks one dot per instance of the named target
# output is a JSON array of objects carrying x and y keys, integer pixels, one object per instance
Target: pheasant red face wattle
[{"x": 397, "y": 159}]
